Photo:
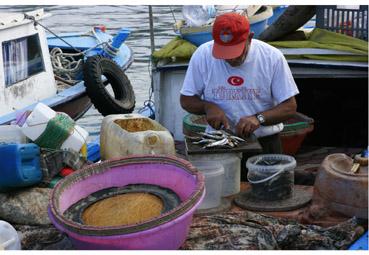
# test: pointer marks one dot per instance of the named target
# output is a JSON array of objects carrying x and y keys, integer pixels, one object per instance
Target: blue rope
[{"x": 148, "y": 104}]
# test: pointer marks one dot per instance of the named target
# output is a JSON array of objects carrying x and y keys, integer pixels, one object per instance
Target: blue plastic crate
[
  {"x": 19, "y": 165},
  {"x": 339, "y": 19}
]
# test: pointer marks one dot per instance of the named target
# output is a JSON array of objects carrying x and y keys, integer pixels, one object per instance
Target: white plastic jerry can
[
  {"x": 129, "y": 134},
  {"x": 9, "y": 239}
]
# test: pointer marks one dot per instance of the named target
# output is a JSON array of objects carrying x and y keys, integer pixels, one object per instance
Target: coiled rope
[
  {"x": 65, "y": 65},
  {"x": 58, "y": 129}
]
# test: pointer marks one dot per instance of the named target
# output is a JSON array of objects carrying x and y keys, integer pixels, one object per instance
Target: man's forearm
[
  {"x": 193, "y": 104},
  {"x": 281, "y": 112}
]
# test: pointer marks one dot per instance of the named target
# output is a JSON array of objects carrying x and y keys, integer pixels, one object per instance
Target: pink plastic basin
[{"x": 168, "y": 231}]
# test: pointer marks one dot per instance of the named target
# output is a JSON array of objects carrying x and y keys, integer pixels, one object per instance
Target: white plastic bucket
[
  {"x": 213, "y": 173},
  {"x": 271, "y": 176},
  {"x": 9, "y": 239}
]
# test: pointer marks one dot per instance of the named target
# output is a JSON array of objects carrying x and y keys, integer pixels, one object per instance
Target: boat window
[{"x": 22, "y": 58}]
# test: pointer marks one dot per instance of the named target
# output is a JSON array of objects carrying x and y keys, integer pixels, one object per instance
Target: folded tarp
[
  {"x": 177, "y": 48},
  {"x": 324, "y": 39}
]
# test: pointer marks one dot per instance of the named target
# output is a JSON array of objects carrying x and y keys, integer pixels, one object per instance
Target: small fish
[
  {"x": 217, "y": 143},
  {"x": 216, "y": 132},
  {"x": 204, "y": 141},
  {"x": 193, "y": 137},
  {"x": 216, "y": 137},
  {"x": 237, "y": 138}
]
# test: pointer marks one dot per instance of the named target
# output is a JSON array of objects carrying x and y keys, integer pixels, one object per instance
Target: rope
[
  {"x": 148, "y": 104},
  {"x": 174, "y": 17},
  {"x": 65, "y": 64},
  {"x": 38, "y": 23},
  {"x": 58, "y": 129}
]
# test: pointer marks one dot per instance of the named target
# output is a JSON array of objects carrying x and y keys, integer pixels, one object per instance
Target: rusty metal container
[{"x": 342, "y": 190}]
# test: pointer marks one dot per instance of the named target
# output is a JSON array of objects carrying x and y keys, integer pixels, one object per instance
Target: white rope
[{"x": 65, "y": 64}]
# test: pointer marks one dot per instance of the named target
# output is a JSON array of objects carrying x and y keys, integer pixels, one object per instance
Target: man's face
[{"x": 239, "y": 60}]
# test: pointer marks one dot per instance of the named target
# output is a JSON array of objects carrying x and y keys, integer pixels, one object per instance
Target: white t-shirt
[{"x": 263, "y": 81}]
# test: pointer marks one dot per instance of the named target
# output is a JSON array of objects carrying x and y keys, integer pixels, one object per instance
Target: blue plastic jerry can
[{"x": 19, "y": 166}]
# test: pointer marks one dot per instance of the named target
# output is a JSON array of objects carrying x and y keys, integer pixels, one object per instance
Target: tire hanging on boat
[{"x": 94, "y": 69}]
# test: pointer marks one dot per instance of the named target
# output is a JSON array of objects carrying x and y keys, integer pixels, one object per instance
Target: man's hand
[
  {"x": 215, "y": 116},
  {"x": 246, "y": 125}
]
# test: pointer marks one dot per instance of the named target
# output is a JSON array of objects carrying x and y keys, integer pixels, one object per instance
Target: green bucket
[{"x": 193, "y": 123}]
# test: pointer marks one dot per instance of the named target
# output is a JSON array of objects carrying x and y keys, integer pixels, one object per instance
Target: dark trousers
[{"x": 271, "y": 145}]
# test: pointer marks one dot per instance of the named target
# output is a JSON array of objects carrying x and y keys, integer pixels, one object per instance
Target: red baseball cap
[{"x": 230, "y": 32}]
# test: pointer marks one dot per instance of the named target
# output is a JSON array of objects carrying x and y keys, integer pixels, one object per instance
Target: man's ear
[{"x": 251, "y": 35}]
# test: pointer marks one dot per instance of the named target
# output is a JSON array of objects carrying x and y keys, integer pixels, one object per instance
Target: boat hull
[{"x": 76, "y": 107}]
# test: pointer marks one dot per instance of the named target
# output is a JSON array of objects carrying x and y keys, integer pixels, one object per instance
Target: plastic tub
[
  {"x": 271, "y": 176},
  {"x": 197, "y": 35},
  {"x": 231, "y": 163},
  {"x": 214, "y": 174},
  {"x": 294, "y": 132},
  {"x": 167, "y": 231},
  {"x": 9, "y": 239},
  {"x": 203, "y": 34}
]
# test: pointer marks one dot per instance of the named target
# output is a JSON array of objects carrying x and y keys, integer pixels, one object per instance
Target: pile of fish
[{"x": 216, "y": 139}]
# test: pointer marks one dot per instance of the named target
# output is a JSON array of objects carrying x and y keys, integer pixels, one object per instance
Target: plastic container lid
[{"x": 9, "y": 239}]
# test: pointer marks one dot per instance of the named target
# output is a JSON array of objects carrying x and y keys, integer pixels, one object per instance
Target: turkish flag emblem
[{"x": 235, "y": 80}]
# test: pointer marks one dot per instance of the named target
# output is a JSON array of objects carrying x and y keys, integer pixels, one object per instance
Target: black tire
[
  {"x": 292, "y": 18},
  {"x": 124, "y": 98}
]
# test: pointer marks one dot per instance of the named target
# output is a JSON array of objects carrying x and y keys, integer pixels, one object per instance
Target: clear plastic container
[
  {"x": 197, "y": 15},
  {"x": 9, "y": 239},
  {"x": 12, "y": 134},
  {"x": 231, "y": 163},
  {"x": 213, "y": 173},
  {"x": 271, "y": 176}
]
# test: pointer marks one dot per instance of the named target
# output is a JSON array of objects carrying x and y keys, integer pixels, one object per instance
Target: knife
[{"x": 252, "y": 137}]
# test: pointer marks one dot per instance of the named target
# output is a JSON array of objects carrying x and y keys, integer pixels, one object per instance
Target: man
[{"x": 240, "y": 83}]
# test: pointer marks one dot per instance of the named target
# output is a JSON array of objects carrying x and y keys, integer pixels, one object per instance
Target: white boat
[{"x": 26, "y": 72}]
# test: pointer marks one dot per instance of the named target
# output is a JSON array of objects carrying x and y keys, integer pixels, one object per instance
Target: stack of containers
[
  {"x": 231, "y": 163},
  {"x": 214, "y": 174},
  {"x": 37, "y": 122},
  {"x": 20, "y": 166}
]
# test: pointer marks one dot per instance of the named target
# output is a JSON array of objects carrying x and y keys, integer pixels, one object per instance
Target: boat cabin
[{"x": 26, "y": 74}]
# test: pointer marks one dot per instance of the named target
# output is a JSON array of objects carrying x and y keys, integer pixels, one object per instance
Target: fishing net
[{"x": 251, "y": 231}]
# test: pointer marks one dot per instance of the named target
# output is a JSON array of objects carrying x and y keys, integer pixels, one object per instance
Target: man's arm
[
  {"x": 281, "y": 112},
  {"x": 215, "y": 116},
  {"x": 277, "y": 114}
]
